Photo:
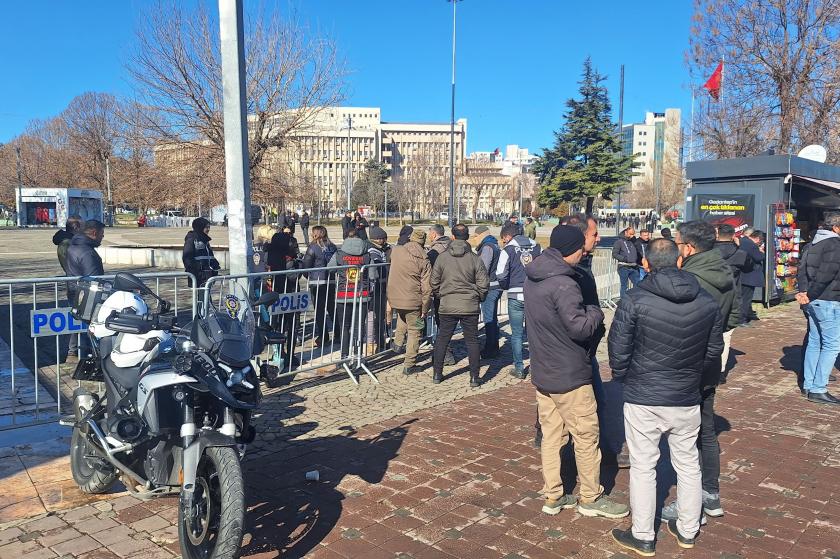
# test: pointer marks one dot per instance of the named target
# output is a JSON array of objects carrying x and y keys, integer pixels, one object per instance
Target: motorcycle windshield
[{"x": 232, "y": 325}]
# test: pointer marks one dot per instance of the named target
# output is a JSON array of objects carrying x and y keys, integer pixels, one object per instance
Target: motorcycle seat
[{"x": 126, "y": 377}]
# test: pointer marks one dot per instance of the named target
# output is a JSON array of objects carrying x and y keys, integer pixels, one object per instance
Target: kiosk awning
[{"x": 830, "y": 184}]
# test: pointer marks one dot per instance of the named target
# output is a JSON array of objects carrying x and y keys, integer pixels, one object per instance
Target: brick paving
[{"x": 401, "y": 479}]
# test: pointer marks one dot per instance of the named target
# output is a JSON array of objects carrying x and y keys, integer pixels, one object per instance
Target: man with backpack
[
  {"x": 510, "y": 272},
  {"x": 352, "y": 288},
  {"x": 487, "y": 248}
]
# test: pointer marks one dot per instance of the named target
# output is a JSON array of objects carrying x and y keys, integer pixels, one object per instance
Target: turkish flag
[{"x": 714, "y": 82}]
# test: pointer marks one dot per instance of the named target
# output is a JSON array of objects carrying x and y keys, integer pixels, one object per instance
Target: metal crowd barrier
[
  {"x": 606, "y": 277},
  {"x": 35, "y": 379}
]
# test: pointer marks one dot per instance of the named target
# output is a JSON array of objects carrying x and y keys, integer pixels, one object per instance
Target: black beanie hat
[
  {"x": 566, "y": 239},
  {"x": 199, "y": 224},
  {"x": 377, "y": 233}
]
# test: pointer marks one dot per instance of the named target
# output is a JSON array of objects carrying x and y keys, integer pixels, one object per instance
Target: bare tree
[
  {"x": 782, "y": 73},
  {"x": 292, "y": 74}
]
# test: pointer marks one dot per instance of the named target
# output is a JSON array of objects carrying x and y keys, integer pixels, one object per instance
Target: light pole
[
  {"x": 452, "y": 128},
  {"x": 19, "y": 205},
  {"x": 108, "y": 185},
  {"x": 621, "y": 140}
]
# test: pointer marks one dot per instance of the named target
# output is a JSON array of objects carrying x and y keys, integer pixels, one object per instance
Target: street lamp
[{"x": 452, "y": 127}]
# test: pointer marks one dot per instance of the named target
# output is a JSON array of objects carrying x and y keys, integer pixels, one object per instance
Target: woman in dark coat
[
  {"x": 282, "y": 254},
  {"x": 198, "y": 255},
  {"x": 360, "y": 224}
]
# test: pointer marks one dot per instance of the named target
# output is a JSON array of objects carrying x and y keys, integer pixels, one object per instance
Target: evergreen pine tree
[{"x": 586, "y": 159}]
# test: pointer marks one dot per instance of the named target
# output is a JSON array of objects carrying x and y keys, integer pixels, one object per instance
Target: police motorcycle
[{"x": 175, "y": 411}]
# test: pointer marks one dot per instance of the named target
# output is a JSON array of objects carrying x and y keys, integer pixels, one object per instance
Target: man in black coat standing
[
  {"x": 562, "y": 329},
  {"x": 83, "y": 260},
  {"x": 304, "y": 225},
  {"x": 662, "y": 371},
  {"x": 753, "y": 245},
  {"x": 346, "y": 224}
]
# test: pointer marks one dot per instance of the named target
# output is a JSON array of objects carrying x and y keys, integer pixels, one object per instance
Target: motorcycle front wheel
[{"x": 210, "y": 521}]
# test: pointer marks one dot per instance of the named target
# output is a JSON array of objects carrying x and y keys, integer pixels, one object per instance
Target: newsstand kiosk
[{"x": 784, "y": 195}]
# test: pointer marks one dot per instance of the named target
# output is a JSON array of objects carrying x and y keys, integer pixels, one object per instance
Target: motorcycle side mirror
[
  {"x": 127, "y": 282},
  {"x": 268, "y": 298}
]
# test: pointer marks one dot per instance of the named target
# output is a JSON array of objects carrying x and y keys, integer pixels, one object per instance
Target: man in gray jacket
[{"x": 460, "y": 282}]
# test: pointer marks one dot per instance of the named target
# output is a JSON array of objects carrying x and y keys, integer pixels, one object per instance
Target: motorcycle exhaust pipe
[
  {"x": 83, "y": 402},
  {"x": 109, "y": 453}
]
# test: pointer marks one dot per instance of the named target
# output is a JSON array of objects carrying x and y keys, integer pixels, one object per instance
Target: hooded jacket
[
  {"x": 409, "y": 281},
  {"x": 561, "y": 328},
  {"x": 510, "y": 271},
  {"x": 459, "y": 280},
  {"x": 822, "y": 267},
  {"x": 82, "y": 258},
  {"x": 352, "y": 284},
  {"x": 197, "y": 255},
  {"x": 318, "y": 256},
  {"x": 62, "y": 239},
  {"x": 625, "y": 253},
  {"x": 716, "y": 278},
  {"x": 438, "y": 247},
  {"x": 737, "y": 259},
  {"x": 666, "y": 366}
]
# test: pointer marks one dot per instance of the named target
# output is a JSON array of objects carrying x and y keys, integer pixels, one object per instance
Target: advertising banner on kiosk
[{"x": 737, "y": 210}]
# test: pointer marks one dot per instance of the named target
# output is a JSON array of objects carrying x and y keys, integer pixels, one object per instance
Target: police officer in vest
[
  {"x": 487, "y": 248},
  {"x": 352, "y": 288},
  {"x": 519, "y": 251}
]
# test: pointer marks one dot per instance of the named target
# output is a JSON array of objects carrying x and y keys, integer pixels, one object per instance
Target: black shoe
[
  {"x": 538, "y": 438},
  {"x": 682, "y": 541},
  {"x": 625, "y": 539},
  {"x": 437, "y": 379},
  {"x": 398, "y": 349},
  {"x": 449, "y": 359},
  {"x": 822, "y": 398},
  {"x": 412, "y": 370},
  {"x": 475, "y": 382},
  {"x": 518, "y": 374}
]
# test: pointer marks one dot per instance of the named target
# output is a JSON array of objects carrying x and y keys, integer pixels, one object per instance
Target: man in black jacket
[
  {"x": 662, "y": 371},
  {"x": 83, "y": 260},
  {"x": 626, "y": 257},
  {"x": 822, "y": 306},
  {"x": 696, "y": 241},
  {"x": 641, "y": 251},
  {"x": 736, "y": 257},
  {"x": 304, "y": 225},
  {"x": 562, "y": 329},
  {"x": 753, "y": 244}
]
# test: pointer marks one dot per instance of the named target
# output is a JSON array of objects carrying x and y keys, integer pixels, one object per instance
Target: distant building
[
  {"x": 657, "y": 145},
  {"x": 492, "y": 181}
]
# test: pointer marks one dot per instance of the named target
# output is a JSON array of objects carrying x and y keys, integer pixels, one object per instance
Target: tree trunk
[{"x": 590, "y": 202}]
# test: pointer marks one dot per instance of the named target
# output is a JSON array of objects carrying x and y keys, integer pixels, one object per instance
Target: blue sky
[{"x": 518, "y": 60}]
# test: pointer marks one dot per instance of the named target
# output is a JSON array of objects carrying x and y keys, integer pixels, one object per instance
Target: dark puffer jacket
[
  {"x": 715, "y": 277},
  {"x": 822, "y": 267},
  {"x": 561, "y": 328},
  {"x": 737, "y": 259},
  {"x": 667, "y": 333},
  {"x": 459, "y": 280},
  {"x": 82, "y": 258}
]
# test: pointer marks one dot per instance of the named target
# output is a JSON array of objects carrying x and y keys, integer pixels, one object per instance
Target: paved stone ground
[{"x": 460, "y": 478}]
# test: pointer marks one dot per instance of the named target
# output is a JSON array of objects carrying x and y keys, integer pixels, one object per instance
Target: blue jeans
[
  {"x": 516, "y": 316},
  {"x": 627, "y": 274},
  {"x": 823, "y": 344},
  {"x": 642, "y": 274},
  {"x": 490, "y": 317}
]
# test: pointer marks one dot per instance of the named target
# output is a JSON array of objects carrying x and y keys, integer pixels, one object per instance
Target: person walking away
[
  {"x": 439, "y": 243},
  {"x": 410, "y": 296},
  {"x": 822, "y": 306},
  {"x": 662, "y": 371},
  {"x": 518, "y": 253},
  {"x": 531, "y": 228},
  {"x": 321, "y": 282},
  {"x": 197, "y": 255},
  {"x": 346, "y": 224},
  {"x": 62, "y": 239},
  {"x": 378, "y": 317},
  {"x": 665, "y": 232},
  {"x": 460, "y": 281},
  {"x": 562, "y": 328},
  {"x": 625, "y": 254},
  {"x": 405, "y": 235},
  {"x": 304, "y": 226},
  {"x": 83, "y": 260},
  {"x": 753, "y": 244},
  {"x": 739, "y": 263},
  {"x": 361, "y": 225},
  {"x": 696, "y": 241},
  {"x": 352, "y": 289},
  {"x": 641, "y": 248},
  {"x": 487, "y": 248}
]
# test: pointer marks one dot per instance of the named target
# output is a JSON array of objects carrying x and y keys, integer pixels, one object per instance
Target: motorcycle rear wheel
[
  {"x": 91, "y": 474},
  {"x": 210, "y": 527}
]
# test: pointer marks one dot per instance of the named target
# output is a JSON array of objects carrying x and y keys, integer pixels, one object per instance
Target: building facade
[
  {"x": 492, "y": 182},
  {"x": 657, "y": 145}
]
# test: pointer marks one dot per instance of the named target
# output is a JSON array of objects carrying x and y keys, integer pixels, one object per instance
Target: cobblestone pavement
[{"x": 418, "y": 470}]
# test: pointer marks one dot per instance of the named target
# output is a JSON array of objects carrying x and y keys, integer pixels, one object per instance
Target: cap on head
[
  {"x": 568, "y": 240},
  {"x": 378, "y": 234}
]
